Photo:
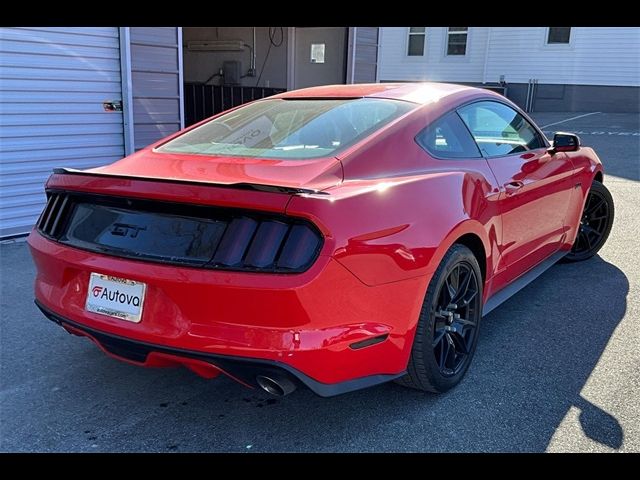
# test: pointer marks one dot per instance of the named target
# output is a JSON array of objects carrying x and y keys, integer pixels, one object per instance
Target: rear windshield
[{"x": 289, "y": 129}]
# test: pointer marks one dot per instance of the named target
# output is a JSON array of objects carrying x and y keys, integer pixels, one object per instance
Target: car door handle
[{"x": 512, "y": 187}]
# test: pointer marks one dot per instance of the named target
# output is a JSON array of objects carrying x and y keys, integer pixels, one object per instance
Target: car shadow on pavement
[
  {"x": 535, "y": 354},
  {"x": 598, "y": 425}
]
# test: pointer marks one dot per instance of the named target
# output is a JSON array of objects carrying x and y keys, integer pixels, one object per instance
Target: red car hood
[{"x": 316, "y": 174}]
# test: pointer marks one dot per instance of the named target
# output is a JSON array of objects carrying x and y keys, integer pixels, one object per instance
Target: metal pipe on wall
[
  {"x": 354, "y": 32},
  {"x": 253, "y": 53},
  {"x": 534, "y": 93},
  {"x": 486, "y": 56}
]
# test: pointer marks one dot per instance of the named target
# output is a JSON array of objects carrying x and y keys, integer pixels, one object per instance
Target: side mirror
[{"x": 564, "y": 142}]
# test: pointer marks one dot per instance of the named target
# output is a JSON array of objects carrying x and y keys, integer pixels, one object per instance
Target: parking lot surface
[{"x": 557, "y": 366}]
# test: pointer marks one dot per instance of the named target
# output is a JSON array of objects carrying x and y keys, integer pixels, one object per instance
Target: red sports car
[{"x": 334, "y": 237}]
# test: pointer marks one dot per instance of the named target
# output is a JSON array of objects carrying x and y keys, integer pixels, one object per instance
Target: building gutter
[{"x": 486, "y": 56}]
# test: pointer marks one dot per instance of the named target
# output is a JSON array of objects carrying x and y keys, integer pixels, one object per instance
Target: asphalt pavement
[{"x": 557, "y": 367}]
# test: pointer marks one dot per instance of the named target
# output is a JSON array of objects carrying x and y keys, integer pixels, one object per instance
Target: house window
[
  {"x": 457, "y": 40},
  {"x": 559, "y": 35},
  {"x": 415, "y": 46}
]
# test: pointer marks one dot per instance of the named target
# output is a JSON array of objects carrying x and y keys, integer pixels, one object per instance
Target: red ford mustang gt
[{"x": 334, "y": 237}]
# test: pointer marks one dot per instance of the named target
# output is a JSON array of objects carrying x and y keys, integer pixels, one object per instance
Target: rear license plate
[{"x": 115, "y": 297}]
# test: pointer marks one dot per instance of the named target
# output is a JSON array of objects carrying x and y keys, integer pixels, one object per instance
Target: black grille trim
[{"x": 57, "y": 216}]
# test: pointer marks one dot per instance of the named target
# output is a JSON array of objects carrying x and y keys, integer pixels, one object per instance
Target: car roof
[{"x": 419, "y": 93}]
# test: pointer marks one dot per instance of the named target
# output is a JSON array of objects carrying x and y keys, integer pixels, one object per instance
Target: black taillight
[
  {"x": 234, "y": 243},
  {"x": 298, "y": 247},
  {"x": 181, "y": 234},
  {"x": 267, "y": 245},
  {"x": 54, "y": 215}
]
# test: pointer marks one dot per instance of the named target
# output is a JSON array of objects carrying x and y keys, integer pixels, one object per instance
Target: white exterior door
[{"x": 53, "y": 82}]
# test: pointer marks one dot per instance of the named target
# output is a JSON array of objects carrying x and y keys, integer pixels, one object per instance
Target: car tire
[
  {"x": 595, "y": 224},
  {"x": 426, "y": 369}
]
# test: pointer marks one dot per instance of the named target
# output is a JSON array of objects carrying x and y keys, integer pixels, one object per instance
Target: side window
[
  {"x": 447, "y": 137},
  {"x": 499, "y": 130}
]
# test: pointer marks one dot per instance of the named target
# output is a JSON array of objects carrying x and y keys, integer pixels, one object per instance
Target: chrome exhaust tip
[{"x": 276, "y": 386}]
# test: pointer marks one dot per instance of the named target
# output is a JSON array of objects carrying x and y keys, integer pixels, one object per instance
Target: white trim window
[
  {"x": 457, "y": 40},
  {"x": 558, "y": 35},
  {"x": 415, "y": 41}
]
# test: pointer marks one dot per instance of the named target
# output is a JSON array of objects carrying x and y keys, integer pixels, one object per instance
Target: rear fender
[{"x": 388, "y": 230}]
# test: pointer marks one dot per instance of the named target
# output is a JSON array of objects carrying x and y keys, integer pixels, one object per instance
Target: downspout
[
  {"x": 378, "y": 49},
  {"x": 291, "y": 57},
  {"x": 353, "y": 55},
  {"x": 180, "y": 77},
  {"x": 252, "y": 67},
  {"x": 127, "y": 90},
  {"x": 486, "y": 56}
]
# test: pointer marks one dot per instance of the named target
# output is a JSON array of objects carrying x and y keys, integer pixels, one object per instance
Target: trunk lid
[{"x": 315, "y": 174}]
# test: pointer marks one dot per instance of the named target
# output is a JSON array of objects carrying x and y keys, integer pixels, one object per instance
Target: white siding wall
[
  {"x": 435, "y": 65},
  {"x": 52, "y": 85},
  {"x": 595, "y": 56}
]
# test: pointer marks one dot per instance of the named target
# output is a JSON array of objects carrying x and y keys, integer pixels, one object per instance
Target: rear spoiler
[{"x": 239, "y": 186}]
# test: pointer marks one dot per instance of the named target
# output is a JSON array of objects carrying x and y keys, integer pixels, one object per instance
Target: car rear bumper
[
  {"x": 308, "y": 326},
  {"x": 243, "y": 370}
]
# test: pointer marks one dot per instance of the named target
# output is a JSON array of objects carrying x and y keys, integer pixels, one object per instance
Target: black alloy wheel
[
  {"x": 595, "y": 223},
  {"x": 456, "y": 319},
  {"x": 448, "y": 325}
]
